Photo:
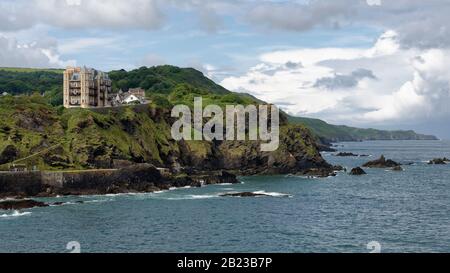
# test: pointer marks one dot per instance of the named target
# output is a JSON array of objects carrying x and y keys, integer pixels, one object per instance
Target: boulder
[
  {"x": 243, "y": 194},
  {"x": 21, "y": 204},
  {"x": 381, "y": 163},
  {"x": 439, "y": 161},
  {"x": 345, "y": 154},
  {"x": 357, "y": 171}
]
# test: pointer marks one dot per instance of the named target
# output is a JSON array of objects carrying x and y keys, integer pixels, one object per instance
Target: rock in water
[
  {"x": 243, "y": 194},
  {"x": 20, "y": 204},
  {"x": 439, "y": 161},
  {"x": 397, "y": 169},
  {"x": 381, "y": 163},
  {"x": 344, "y": 154},
  {"x": 357, "y": 171}
]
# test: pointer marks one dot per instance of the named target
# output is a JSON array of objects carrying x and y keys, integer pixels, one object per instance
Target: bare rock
[
  {"x": 381, "y": 163},
  {"x": 21, "y": 204},
  {"x": 357, "y": 171}
]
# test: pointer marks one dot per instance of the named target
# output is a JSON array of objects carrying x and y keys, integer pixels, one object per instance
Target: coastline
[{"x": 144, "y": 178}]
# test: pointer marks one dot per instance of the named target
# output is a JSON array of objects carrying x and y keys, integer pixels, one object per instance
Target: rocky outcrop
[
  {"x": 439, "y": 161},
  {"x": 136, "y": 178},
  {"x": 345, "y": 154},
  {"x": 357, "y": 171},
  {"x": 381, "y": 163},
  {"x": 397, "y": 169},
  {"x": 243, "y": 194},
  {"x": 9, "y": 154},
  {"x": 251, "y": 194},
  {"x": 20, "y": 204}
]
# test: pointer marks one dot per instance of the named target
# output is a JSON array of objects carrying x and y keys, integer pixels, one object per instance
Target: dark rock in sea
[
  {"x": 20, "y": 204},
  {"x": 243, "y": 194},
  {"x": 357, "y": 171},
  {"x": 439, "y": 161},
  {"x": 397, "y": 169},
  {"x": 345, "y": 154},
  {"x": 250, "y": 194},
  {"x": 381, "y": 163}
]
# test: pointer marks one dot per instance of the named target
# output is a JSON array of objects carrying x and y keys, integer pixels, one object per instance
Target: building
[
  {"x": 132, "y": 99},
  {"x": 86, "y": 88},
  {"x": 133, "y": 96},
  {"x": 138, "y": 92}
]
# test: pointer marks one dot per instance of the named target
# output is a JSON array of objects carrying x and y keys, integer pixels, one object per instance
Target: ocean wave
[
  {"x": 16, "y": 213},
  {"x": 192, "y": 197},
  {"x": 99, "y": 201},
  {"x": 274, "y": 194}
]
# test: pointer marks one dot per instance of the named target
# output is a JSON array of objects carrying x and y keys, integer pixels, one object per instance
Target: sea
[{"x": 383, "y": 211}]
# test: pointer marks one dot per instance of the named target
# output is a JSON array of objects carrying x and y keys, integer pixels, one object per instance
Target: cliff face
[{"x": 55, "y": 138}]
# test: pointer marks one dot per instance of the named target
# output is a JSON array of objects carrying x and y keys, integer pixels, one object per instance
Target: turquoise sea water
[{"x": 404, "y": 211}]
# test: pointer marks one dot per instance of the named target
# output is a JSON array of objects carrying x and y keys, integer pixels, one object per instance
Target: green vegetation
[
  {"x": 335, "y": 133},
  {"x": 28, "y": 70},
  {"x": 17, "y": 81},
  {"x": 163, "y": 79},
  {"x": 79, "y": 138}
]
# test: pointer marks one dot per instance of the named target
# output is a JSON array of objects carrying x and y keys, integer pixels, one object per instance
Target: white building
[{"x": 131, "y": 99}]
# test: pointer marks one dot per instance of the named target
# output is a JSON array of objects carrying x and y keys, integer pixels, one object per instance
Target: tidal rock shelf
[{"x": 133, "y": 179}]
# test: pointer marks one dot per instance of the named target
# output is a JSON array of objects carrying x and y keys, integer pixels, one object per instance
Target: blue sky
[{"x": 368, "y": 63}]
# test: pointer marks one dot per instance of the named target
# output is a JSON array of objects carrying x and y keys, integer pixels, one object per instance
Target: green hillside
[
  {"x": 335, "y": 133},
  {"x": 163, "y": 79},
  {"x": 34, "y": 133}
]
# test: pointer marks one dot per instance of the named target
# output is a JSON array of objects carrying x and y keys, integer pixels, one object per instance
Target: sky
[{"x": 366, "y": 63}]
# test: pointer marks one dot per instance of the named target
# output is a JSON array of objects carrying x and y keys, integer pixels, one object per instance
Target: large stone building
[{"x": 86, "y": 88}]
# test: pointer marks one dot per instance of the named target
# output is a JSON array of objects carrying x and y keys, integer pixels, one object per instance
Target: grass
[{"x": 29, "y": 70}]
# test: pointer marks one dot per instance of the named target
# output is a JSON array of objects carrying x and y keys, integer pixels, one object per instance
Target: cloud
[
  {"x": 419, "y": 24},
  {"x": 384, "y": 84},
  {"x": 152, "y": 59},
  {"x": 300, "y": 16},
  {"x": 40, "y": 54},
  {"x": 345, "y": 81},
  {"x": 78, "y": 45},
  {"x": 89, "y": 14},
  {"x": 427, "y": 95}
]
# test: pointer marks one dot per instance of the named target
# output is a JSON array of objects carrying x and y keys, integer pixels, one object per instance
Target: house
[
  {"x": 132, "y": 99},
  {"x": 5, "y": 94},
  {"x": 138, "y": 92},
  {"x": 133, "y": 96}
]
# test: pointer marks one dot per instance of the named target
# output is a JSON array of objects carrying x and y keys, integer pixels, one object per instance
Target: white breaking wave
[
  {"x": 192, "y": 197},
  {"x": 16, "y": 213},
  {"x": 274, "y": 194}
]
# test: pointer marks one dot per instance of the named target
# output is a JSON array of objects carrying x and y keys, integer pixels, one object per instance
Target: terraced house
[{"x": 86, "y": 88}]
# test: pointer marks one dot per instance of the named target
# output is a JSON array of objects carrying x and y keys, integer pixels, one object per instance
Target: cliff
[{"x": 34, "y": 133}]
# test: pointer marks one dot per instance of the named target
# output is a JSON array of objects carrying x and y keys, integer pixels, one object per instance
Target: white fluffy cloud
[
  {"x": 36, "y": 54},
  {"x": 397, "y": 84}
]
